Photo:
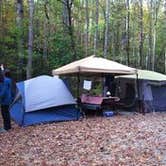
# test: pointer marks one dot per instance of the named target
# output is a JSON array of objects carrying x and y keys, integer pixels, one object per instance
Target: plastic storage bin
[{"x": 108, "y": 113}]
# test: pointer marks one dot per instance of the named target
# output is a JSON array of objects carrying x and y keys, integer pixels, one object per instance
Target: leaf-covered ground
[{"x": 129, "y": 140}]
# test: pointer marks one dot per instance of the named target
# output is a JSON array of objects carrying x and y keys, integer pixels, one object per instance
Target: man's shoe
[{"x": 2, "y": 130}]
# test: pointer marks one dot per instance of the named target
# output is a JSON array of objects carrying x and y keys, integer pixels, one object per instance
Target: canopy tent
[
  {"x": 152, "y": 89},
  {"x": 43, "y": 99},
  {"x": 94, "y": 65}
]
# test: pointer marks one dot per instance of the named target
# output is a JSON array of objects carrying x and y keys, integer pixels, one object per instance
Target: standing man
[{"x": 6, "y": 99}]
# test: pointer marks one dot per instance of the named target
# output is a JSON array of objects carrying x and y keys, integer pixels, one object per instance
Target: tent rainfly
[
  {"x": 94, "y": 65},
  {"x": 146, "y": 75}
]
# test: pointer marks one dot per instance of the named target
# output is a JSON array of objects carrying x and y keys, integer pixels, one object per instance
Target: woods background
[{"x": 38, "y": 36}]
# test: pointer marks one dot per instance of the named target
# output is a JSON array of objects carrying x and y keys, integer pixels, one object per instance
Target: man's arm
[{"x": 2, "y": 89}]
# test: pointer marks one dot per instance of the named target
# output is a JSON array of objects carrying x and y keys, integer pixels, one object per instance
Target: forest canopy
[{"x": 37, "y": 36}]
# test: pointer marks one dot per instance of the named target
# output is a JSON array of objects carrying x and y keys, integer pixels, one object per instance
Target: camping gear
[
  {"x": 43, "y": 99},
  {"x": 152, "y": 90}
]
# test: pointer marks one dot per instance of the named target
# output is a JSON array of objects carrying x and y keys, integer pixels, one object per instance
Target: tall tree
[
  {"x": 46, "y": 30},
  {"x": 150, "y": 49},
  {"x": 30, "y": 39},
  {"x": 107, "y": 25},
  {"x": 141, "y": 34},
  {"x": 96, "y": 26},
  {"x": 155, "y": 18},
  {"x": 68, "y": 23},
  {"x": 128, "y": 31},
  {"x": 1, "y": 27},
  {"x": 19, "y": 21},
  {"x": 87, "y": 27}
]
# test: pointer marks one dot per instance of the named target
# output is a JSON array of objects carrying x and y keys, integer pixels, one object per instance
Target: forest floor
[{"x": 129, "y": 140}]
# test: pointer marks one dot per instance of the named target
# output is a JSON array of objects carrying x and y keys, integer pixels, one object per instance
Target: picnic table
[{"x": 98, "y": 102}]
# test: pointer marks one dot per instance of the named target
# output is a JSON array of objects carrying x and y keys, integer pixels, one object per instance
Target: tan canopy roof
[{"x": 94, "y": 65}]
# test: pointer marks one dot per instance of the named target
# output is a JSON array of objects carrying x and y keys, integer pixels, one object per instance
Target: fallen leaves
[{"x": 119, "y": 140}]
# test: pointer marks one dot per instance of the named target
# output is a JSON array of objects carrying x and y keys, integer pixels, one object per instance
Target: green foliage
[
  {"x": 62, "y": 52},
  {"x": 59, "y": 48}
]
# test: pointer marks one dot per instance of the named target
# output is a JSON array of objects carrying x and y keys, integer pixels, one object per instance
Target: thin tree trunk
[
  {"x": 67, "y": 20},
  {"x": 80, "y": 31},
  {"x": 19, "y": 20},
  {"x": 46, "y": 31},
  {"x": 30, "y": 39},
  {"x": 1, "y": 28},
  {"x": 107, "y": 25},
  {"x": 150, "y": 36},
  {"x": 71, "y": 28},
  {"x": 87, "y": 27},
  {"x": 128, "y": 31},
  {"x": 65, "y": 14},
  {"x": 117, "y": 44},
  {"x": 141, "y": 35},
  {"x": 155, "y": 18},
  {"x": 154, "y": 49},
  {"x": 113, "y": 45},
  {"x": 45, "y": 39},
  {"x": 96, "y": 27}
]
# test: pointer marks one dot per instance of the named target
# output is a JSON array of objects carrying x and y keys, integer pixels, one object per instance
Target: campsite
[
  {"x": 50, "y": 127},
  {"x": 83, "y": 83}
]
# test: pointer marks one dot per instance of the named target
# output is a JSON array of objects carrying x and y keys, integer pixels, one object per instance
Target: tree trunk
[
  {"x": 30, "y": 39},
  {"x": 19, "y": 20},
  {"x": 107, "y": 25},
  {"x": 87, "y": 27},
  {"x": 128, "y": 31},
  {"x": 46, "y": 31},
  {"x": 150, "y": 52},
  {"x": 65, "y": 14},
  {"x": 155, "y": 18},
  {"x": 67, "y": 20},
  {"x": 165, "y": 8},
  {"x": 3, "y": 26},
  {"x": 154, "y": 48},
  {"x": 96, "y": 27},
  {"x": 117, "y": 39},
  {"x": 141, "y": 35}
]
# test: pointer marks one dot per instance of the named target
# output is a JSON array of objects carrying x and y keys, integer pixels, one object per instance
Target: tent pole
[
  {"x": 141, "y": 110},
  {"x": 23, "y": 115},
  {"x": 78, "y": 85}
]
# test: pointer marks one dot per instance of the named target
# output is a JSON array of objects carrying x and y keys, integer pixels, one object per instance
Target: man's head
[{"x": 7, "y": 73}]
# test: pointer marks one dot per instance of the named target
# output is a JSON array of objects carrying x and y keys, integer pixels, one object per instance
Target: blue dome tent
[{"x": 43, "y": 99}]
